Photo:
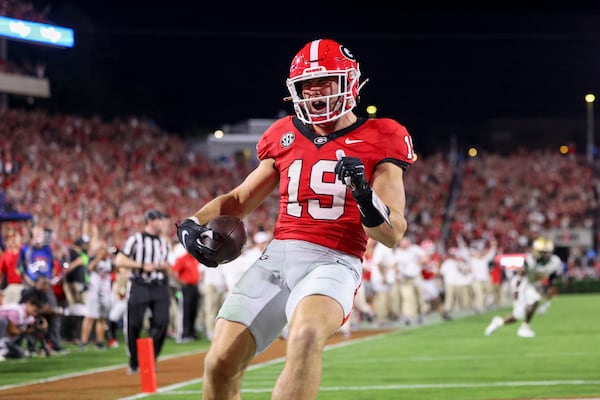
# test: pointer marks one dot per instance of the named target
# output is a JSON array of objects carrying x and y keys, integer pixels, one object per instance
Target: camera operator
[
  {"x": 47, "y": 312},
  {"x": 16, "y": 321}
]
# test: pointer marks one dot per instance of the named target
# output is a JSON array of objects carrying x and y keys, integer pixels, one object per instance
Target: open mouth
[{"x": 318, "y": 105}]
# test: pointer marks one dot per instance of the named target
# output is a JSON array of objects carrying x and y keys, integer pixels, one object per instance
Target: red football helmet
[{"x": 324, "y": 58}]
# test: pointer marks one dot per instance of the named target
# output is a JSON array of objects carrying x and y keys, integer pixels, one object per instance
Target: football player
[
  {"x": 526, "y": 298},
  {"x": 543, "y": 269},
  {"x": 340, "y": 180}
]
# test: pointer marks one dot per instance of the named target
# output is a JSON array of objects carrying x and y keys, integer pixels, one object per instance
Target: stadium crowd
[
  {"x": 25, "y": 11},
  {"x": 86, "y": 180}
]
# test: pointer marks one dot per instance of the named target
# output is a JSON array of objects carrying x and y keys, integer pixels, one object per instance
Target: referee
[{"x": 145, "y": 254}]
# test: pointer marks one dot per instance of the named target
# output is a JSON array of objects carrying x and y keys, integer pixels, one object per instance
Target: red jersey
[
  {"x": 8, "y": 267},
  {"x": 186, "y": 268},
  {"x": 431, "y": 269},
  {"x": 314, "y": 206}
]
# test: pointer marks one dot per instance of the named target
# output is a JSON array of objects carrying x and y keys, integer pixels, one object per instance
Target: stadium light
[
  {"x": 589, "y": 100},
  {"x": 472, "y": 152},
  {"x": 372, "y": 111},
  {"x": 218, "y": 133}
]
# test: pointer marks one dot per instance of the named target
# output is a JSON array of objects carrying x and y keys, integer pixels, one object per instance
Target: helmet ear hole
[{"x": 298, "y": 88}]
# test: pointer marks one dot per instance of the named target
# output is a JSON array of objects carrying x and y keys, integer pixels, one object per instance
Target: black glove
[
  {"x": 351, "y": 171},
  {"x": 189, "y": 234}
]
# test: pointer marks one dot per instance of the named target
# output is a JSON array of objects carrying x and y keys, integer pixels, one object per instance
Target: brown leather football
[{"x": 229, "y": 238}]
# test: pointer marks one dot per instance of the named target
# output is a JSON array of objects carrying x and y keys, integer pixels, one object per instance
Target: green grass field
[{"x": 452, "y": 360}]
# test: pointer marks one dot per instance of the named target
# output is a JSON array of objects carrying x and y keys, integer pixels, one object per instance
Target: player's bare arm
[
  {"x": 244, "y": 198},
  {"x": 388, "y": 183}
]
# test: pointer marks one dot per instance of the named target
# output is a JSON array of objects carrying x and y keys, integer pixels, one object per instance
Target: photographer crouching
[
  {"x": 48, "y": 312},
  {"x": 17, "y": 321}
]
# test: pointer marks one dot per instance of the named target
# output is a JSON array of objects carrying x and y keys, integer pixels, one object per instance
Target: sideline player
[{"x": 340, "y": 180}]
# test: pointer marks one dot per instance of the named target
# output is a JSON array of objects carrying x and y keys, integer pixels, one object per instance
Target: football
[{"x": 229, "y": 238}]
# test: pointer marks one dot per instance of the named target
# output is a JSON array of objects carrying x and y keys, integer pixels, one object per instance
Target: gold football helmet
[{"x": 542, "y": 248}]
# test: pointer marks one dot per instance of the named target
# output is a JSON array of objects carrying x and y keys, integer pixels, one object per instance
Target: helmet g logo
[{"x": 347, "y": 53}]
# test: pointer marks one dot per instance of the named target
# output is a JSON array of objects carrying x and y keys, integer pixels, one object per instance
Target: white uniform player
[
  {"x": 525, "y": 296},
  {"x": 543, "y": 268}
]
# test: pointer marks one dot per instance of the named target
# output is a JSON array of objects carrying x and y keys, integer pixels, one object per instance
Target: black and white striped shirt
[{"x": 147, "y": 249}]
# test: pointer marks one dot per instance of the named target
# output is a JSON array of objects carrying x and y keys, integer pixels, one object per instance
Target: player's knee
[
  {"x": 307, "y": 336},
  {"x": 519, "y": 313},
  {"x": 221, "y": 367}
]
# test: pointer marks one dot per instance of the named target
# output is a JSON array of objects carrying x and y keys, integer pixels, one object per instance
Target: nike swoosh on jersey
[{"x": 352, "y": 141}]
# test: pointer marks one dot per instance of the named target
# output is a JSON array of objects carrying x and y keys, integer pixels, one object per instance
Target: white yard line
[{"x": 168, "y": 390}]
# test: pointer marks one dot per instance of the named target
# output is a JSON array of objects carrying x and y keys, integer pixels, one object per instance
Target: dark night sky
[{"x": 194, "y": 66}]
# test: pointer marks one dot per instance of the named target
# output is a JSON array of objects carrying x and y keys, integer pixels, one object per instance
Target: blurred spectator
[
  {"x": 76, "y": 273},
  {"x": 383, "y": 277},
  {"x": 457, "y": 281},
  {"x": 35, "y": 257},
  {"x": 36, "y": 260},
  {"x": 479, "y": 259},
  {"x": 432, "y": 283},
  {"x": 99, "y": 296},
  {"x": 119, "y": 305},
  {"x": 9, "y": 267},
  {"x": 186, "y": 272},
  {"x": 214, "y": 290},
  {"x": 23, "y": 10},
  {"x": 500, "y": 292},
  {"x": 410, "y": 258}
]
